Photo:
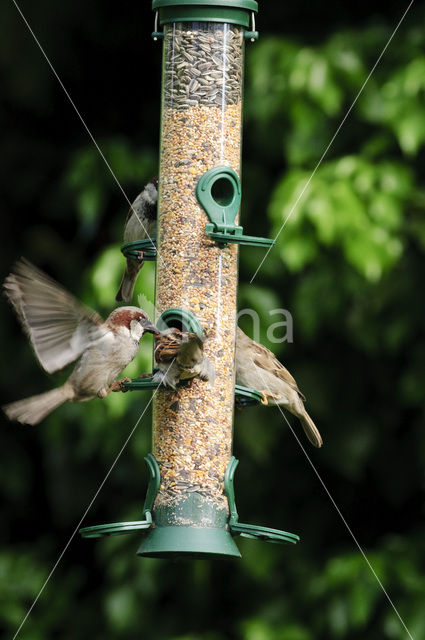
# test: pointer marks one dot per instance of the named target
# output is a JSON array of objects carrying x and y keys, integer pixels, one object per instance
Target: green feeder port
[
  {"x": 120, "y": 528},
  {"x": 219, "y": 192},
  {"x": 255, "y": 532},
  {"x": 180, "y": 319}
]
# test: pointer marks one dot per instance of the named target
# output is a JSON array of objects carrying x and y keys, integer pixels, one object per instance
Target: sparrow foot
[
  {"x": 118, "y": 385},
  {"x": 264, "y": 398},
  {"x": 267, "y": 394},
  {"x": 140, "y": 257}
]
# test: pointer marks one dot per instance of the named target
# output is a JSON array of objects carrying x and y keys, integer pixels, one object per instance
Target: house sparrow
[
  {"x": 180, "y": 356},
  {"x": 258, "y": 368},
  {"x": 140, "y": 224},
  {"x": 61, "y": 329}
]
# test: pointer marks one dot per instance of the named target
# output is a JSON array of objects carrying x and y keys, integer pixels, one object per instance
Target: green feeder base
[
  {"x": 175, "y": 531},
  {"x": 188, "y": 542},
  {"x": 192, "y": 527}
]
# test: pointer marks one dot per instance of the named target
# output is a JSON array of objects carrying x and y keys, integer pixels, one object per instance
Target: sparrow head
[
  {"x": 150, "y": 192},
  {"x": 134, "y": 319}
]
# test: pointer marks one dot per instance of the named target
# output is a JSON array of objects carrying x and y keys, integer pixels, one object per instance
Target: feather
[
  {"x": 264, "y": 358},
  {"x": 180, "y": 356},
  {"x": 167, "y": 345},
  {"x": 32, "y": 410},
  {"x": 59, "y": 327},
  {"x": 258, "y": 368}
]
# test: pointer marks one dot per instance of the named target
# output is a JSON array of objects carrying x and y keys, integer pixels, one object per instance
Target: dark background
[{"x": 349, "y": 266}]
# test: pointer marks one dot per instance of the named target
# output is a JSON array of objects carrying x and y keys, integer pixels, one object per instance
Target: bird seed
[{"x": 201, "y": 129}]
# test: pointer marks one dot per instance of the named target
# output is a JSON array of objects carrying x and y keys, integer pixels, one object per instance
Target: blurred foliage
[{"x": 348, "y": 266}]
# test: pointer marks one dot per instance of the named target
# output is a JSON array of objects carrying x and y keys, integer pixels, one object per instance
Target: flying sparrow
[
  {"x": 258, "y": 368},
  {"x": 61, "y": 329},
  {"x": 180, "y": 356},
  {"x": 140, "y": 224}
]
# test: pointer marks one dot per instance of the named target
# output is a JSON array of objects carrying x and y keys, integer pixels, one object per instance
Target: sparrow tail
[
  {"x": 125, "y": 292},
  {"x": 310, "y": 430},
  {"x": 32, "y": 410}
]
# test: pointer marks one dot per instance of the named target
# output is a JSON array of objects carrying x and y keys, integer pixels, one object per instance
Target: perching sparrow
[
  {"x": 258, "y": 368},
  {"x": 61, "y": 329},
  {"x": 140, "y": 224},
  {"x": 180, "y": 356}
]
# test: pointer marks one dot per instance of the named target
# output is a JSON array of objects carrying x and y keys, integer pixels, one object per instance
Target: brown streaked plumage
[
  {"x": 258, "y": 368},
  {"x": 180, "y": 356},
  {"x": 167, "y": 345}
]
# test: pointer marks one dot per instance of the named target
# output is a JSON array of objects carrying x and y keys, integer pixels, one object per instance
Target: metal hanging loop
[{"x": 156, "y": 35}]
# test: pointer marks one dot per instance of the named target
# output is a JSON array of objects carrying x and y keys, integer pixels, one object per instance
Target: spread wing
[
  {"x": 265, "y": 359},
  {"x": 59, "y": 327}
]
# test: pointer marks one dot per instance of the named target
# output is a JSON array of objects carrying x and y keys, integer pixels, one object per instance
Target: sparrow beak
[{"x": 150, "y": 328}]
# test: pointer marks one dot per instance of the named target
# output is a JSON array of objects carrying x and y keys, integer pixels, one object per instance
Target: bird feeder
[{"x": 190, "y": 505}]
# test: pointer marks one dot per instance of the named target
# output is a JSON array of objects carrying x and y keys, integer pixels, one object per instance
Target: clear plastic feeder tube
[{"x": 201, "y": 129}]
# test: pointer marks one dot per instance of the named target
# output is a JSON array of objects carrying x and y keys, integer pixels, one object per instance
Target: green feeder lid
[
  {"x": 248, "y": 5},
  {"x": 132, "y": 249},
  {"x": 230, "y": 11}
]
